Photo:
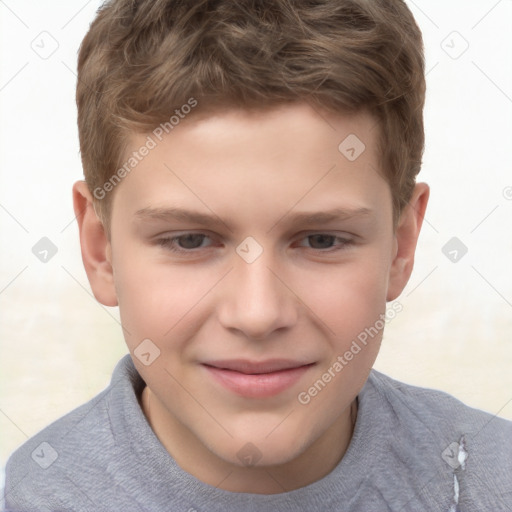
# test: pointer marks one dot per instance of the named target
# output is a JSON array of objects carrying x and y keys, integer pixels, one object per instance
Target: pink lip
[{"x": 257, "y": 379}]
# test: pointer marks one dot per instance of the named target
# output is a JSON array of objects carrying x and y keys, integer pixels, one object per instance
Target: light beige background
[{"x": 59, "y": 346}]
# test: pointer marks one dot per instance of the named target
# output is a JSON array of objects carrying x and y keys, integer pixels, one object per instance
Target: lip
[{"x": 257, "y": 379}]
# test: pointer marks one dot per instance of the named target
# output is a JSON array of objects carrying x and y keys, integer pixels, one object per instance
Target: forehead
[{"x": 263, "y": 161}]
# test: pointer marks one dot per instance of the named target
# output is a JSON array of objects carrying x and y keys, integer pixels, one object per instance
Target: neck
[{"x": 314, "y": 463}]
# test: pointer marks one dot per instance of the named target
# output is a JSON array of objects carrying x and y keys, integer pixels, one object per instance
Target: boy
[{"x": 224, "y": 144}]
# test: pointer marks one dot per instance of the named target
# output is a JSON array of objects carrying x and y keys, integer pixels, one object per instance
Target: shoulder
[
  {"x": 67, "y": 448},
  {"x": 439, "y": 410},
  {"x": 475, "y": 445}
]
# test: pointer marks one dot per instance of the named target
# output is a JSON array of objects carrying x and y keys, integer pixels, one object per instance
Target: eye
[
  {"x": 325, "y": 241},
  {"x": 185, "y": 243}
]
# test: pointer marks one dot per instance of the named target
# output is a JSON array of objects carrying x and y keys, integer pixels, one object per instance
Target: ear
[
  {"x": 96, "y": 249},
  {"x": 406, "y": 237}
]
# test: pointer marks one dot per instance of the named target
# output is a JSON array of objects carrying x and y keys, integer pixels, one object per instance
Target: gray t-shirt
[{"x": 413, "y": 450}]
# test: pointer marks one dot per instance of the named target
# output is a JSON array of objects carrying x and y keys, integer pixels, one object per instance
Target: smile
[{"x": 257, "y": 379}]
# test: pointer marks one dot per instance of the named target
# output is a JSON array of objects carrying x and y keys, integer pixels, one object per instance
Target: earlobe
[
  {"x": 95, "y": 246},
  {"x": 406, "y": 238}
]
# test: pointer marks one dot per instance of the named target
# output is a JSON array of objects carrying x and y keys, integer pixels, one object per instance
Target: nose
[{"x": 256, "y": 300}]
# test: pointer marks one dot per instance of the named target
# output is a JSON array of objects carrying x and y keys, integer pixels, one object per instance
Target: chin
[{"x": 261, "y": 452}]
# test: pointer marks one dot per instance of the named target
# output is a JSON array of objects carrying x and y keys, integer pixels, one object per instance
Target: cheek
[
  {"x": 346, "y": 298},
  {"x": 152, "y": 297},
  {"x": 351, "y": 302},
  {"x": 156, "y": 299}
]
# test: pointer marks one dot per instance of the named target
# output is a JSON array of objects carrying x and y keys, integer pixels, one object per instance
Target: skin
[{"x": 305, "y": 297}]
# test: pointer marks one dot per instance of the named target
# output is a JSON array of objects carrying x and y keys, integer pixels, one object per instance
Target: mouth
[{"x": 253, "y": 379}]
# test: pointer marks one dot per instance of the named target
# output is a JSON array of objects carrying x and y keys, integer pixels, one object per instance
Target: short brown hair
[{"x": 143, "y": 58}]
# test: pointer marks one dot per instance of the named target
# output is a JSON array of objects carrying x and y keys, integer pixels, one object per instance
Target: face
[{"x": 250, "y": 252}]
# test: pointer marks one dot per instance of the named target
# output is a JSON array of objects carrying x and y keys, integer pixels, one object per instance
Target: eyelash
[{"x": 169, "y": 243}]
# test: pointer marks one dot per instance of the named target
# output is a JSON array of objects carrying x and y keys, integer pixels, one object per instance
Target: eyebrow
[
  {"x": 180, "y": 214},
  {"x": 213, "y": 220},
  {"x": 336, "y": 214}
]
